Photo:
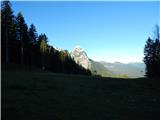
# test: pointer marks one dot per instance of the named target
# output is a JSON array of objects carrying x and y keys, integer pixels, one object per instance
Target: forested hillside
[{"x": 21, "y": 44}]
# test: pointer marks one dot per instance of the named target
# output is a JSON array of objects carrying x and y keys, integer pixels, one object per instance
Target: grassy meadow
[{"x": 28, "y": 95}]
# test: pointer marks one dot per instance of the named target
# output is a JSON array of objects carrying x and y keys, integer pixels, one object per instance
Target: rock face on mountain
[{"x": 80, "y": 57}]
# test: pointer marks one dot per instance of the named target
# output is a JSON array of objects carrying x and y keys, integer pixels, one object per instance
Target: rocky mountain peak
[
  {"x": 78, "y": 48},
  {"x": 80, "y": 57}
]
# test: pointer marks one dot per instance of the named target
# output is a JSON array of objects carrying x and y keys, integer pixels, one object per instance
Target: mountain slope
[
  {"x": 132, "y": 70},
  {"x": 99, "y": 69}
]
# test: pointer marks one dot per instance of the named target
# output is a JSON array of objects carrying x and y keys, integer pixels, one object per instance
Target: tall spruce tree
[
  {"x": 8, "y": 30},
  {"x": 33, "y": 34},
  {"x": 22, "y": 30},
  {"x": 152, "y": 55},
  {"x": 42, "y": 40}
]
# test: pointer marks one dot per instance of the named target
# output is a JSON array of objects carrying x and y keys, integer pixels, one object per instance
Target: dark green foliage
[
  {"x": 8, "y": 26},
  {"x": 152, "y": 55},
  {"x": 23, "y": 46},
  {"x": 33, "y": 34},
  {"x": 23, "y": 37},
  {"x": 33, "y": 45},
  {"x": 42, "y": 43}
]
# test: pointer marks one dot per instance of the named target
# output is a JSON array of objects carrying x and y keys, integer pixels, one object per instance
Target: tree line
[
  {"x": 22, "y": 45},
  {"x": 152, "y": 54}
]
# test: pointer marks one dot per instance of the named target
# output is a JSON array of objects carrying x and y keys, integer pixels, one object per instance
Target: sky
[{"x": 107, "y": 31}]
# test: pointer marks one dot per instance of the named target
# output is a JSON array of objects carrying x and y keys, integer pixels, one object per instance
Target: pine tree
[
  {"x": 42, "y": 40},
  {"x": 33, "y": 44},
  {"x": 152, "y": 55},
  {"x": 22, "y": 30},
  {"x": 8, "y": 30},
  {"x": 33, "y": 34}
]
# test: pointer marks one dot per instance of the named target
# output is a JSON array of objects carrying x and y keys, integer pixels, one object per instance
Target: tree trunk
[
  {"x": 7, "y": 51},
  {"x": 21, "y": 55}
]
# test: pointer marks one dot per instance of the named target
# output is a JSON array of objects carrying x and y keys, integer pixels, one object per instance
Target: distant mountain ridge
[
  {"x": 133, "y": 69},
  {"x": 98, "y": 69}
]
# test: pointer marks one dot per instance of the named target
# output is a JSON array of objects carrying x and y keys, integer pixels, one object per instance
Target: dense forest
[{"x": 22, "y": 45}]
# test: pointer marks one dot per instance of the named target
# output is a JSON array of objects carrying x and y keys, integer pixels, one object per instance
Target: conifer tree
[
  {"x": 22, "y": 31},
  {"x": 42, "y": 40},
  {"x": 8, "y": 30},
  {"x": 152, "y": 55},
  {"x": 33, "y": 34}
]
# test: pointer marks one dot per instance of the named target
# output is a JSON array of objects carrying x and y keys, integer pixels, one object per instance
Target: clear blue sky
[{"x": 108, "y": 31}]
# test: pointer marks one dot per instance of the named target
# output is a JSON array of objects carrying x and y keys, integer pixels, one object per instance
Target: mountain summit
[{"x": 80, "y": 57}]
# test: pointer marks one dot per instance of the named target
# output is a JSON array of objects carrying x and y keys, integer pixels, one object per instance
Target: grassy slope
[{"x": 46, "y": 96}]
